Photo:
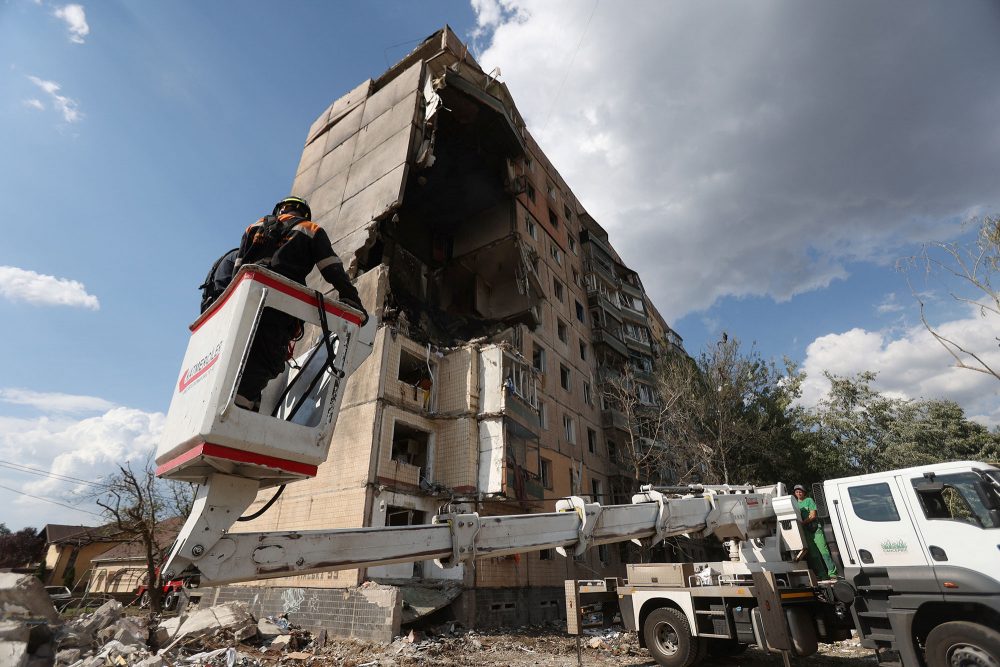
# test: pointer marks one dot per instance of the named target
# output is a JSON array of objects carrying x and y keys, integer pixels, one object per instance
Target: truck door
[
  {"x": 881, "y": 533},
  {"x": 961, "y": 534}
]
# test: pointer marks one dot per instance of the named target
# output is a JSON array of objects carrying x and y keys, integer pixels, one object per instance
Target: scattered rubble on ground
[{"x": 33, "y": 635}]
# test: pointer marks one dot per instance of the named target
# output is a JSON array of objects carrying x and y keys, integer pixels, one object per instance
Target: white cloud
[
  {"x": 758, "y": 148},
  {"x": 54, "y": 401},
  {"x": 34, "y": 103},
  {"x": 76, "y": 21},
  {"x": 68, "y": 107},
  {"x": 87, "y": 449},
  {"x": 23, "y": 285},
  {"x": 889, "y": 305},
  {"x": 911, "y": 365}
]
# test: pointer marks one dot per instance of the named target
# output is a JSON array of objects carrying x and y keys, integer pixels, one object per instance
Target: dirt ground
[{"x": 522, "y": 647}]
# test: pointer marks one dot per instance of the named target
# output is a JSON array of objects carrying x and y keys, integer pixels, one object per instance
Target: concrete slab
[
  {"x": 337, "y": 161},
  {"x": 328, "y": 196},
  {"x": 342, "y": 129},
  {"x": 393, "y": 92},
  {"x": 23, "y": 596},
  {"x": 403, "y": 114},
  {"x": 377, "y": 163},
  {"x": 13, "y": 654},
  {"x": 232, "y": 616}
]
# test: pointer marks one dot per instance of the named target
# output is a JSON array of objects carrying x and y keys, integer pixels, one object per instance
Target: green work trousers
[{"x": 819, "y": 557}]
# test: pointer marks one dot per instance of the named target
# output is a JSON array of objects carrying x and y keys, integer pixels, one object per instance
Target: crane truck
[{"x": 918, "y": 549}]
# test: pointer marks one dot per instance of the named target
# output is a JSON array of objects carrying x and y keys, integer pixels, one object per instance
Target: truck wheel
[
  {"x": 170, "y": 601},
  {"x": 962, "y": 644},
  {"x": 668, "y": 638},
  {"x": 144, "y": 600}
]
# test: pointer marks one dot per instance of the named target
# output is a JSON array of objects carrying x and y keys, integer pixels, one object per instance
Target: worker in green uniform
[{"x": 819, "y": 557}]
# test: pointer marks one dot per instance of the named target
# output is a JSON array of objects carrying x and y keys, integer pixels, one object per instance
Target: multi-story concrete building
[{"x": 501, "y": 304}]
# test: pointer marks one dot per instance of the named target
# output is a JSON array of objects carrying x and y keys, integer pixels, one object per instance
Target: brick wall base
[
  {"x": 511, "y": 607},
  {"x": 371, "y": 613}
]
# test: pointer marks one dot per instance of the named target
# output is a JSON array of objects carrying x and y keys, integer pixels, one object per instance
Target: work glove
[{"x": 357, "y": 306}]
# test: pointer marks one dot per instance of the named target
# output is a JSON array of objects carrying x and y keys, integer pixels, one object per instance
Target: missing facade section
[{"x": 404, "y": 516}]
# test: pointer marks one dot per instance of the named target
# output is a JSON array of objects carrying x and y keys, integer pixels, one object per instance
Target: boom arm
[{"x": 223, "y": 557}]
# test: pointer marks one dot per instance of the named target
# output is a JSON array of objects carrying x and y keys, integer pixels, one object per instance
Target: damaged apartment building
[{"x": 501, "y": 305}]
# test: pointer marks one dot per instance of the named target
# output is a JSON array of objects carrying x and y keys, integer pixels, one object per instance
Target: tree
[
  {"x": 21, "y": 548},
  {"x": 729, "y": 413},
  {"x": 856, "y": 429},
  {"x": 135, "y": 503},
  {"x": 644, "y": 419},
  {"x": 967, "y": 272}
]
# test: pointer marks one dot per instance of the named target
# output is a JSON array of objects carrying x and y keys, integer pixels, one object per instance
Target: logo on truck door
[
  {"x": 894, "y": 546},
  {"x": 200, "y": 367}
]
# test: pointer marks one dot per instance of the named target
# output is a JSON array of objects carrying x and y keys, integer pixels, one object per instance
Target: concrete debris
[
  {"x": 13, "y": 653},
  {"x": 269, "y": 628},
  {"x": 233, "y": 618},
  {"x": 22, "y": 596}
]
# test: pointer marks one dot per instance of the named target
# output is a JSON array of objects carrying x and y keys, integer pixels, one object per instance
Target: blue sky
[{"x": 761, "y": 165}]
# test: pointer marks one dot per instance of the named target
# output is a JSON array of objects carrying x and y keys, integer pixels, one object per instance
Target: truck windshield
[{"x": 962, "y": 499}]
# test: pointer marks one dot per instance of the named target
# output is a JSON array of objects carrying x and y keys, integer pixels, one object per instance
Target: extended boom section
[{"x": 455, "y": 537}]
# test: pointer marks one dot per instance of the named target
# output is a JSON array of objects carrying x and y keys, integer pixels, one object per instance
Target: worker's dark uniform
[{"x": 302, "y": 245}]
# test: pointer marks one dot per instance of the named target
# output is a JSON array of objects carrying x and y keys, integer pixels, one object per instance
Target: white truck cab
[{"x": 922, "y": 548}]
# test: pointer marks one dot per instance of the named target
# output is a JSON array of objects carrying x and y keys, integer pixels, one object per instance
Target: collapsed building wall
[{"x": 483, "y": 387}]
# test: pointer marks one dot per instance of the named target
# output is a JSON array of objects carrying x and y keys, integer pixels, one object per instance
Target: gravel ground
[{"x": 522, "y": 647}]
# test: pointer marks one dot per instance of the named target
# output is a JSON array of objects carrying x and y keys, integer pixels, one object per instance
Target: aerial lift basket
[{"x": 207, "y": 433}]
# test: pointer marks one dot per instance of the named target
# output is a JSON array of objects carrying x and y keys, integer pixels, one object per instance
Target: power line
[
  {"x": 569, "y": 66},
  {"x": 45, "y": 473},
  {"x": 46, "y": 500}
]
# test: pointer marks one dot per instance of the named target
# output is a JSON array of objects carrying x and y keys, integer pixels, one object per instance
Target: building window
[
  {"x": 572, "y": 245},
  {"x": 409, "y": 445},
  {"x": 568, "y": 214},
  {"x": 546, "y": 554},
  {"x": 580, "y": 312},
  {"x": 558, "y": 289},
  {"x": 564, "y": 377},
  {"x": 529, "y": 164},
  {"x": 538, "y": 357},
  {"x": 555, "y": 252},
  {"x": 551, "y": 190},
  {"x": 576, "y": 278},
  {"x": 543, "y": 415},
  {"x": 532, "y": 228},
  {"x": 591, "y": 440},
  {"x": 531, "y": 192},
  {"x": 583, "y": 350},
  {"x": 602, "y": 553},
  {"x": 612, "y": 450},
  {"x": 562, "y": 331},
  {"x": 403, "y": 516},
  {"x": 569, "y": 429},
  {"x": 587, "y": 397},
  {"x": 545, "y": 472},
  {"x": 553, "y": 219},
  {"x": 596, "y": 490}
]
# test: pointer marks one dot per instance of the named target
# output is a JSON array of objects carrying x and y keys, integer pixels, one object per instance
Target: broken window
[
  {"x": 553, "y": 219},
  {"x": 558, "y": 289},
  {"x": 576, "y": 278},
  {"x": 546, "y": 554},
  {"x": 583, "y": 350},
  {"x": 538, "y": 357},
  {"x": 403, "y": 516},
  {"x": 519, "y": 380},
  {"x": 596, "y": 489},
  {"x": 580, "y": 312},
  {"x": 551, "y": 190},
  {"x": 545, "y": 472},
  {"x": 569, "y": 429},
  {"x": 529, "y": 164},
  {"x": 612, "y": 450},
  {"x": 562, "y": 331},
  {"x": 543, "y": 415},
  {"x": 567, "y": 213},
  {"x": 595, "y": 316},
  {"x": 532, "y": 228},
  {"x": 572, "y": 244},
  {"x": 531, "y": 192},
  {"x": 587, "y": 397},
  {"x": 564, "y": 377},
  {"x": 591, "y": 440},
  {"x": 410, "y": 445},
  {"x": 417, "y": 373}
]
